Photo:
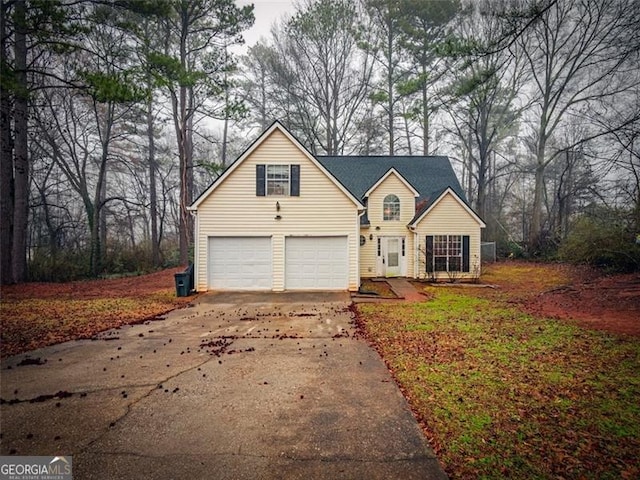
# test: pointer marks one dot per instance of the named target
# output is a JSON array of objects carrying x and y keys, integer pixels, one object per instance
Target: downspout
[
  {"x": 413, "y": 229},
  {"x": 358, "y": 247},
  {"x": 196, "y": 253}
]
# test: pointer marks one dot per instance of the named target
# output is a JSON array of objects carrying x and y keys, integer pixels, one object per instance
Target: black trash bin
[{"x": 182, "y": 284}]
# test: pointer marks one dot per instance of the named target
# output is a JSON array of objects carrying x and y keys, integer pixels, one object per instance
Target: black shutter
[
  {"x": 465, "y": 254},
  {"x": 295, "y": 180},
  {"x": 429, "y": 254},
  {"x": 260, "y": 180}
]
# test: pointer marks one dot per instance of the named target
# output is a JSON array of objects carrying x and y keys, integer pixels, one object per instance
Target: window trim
[
  {"x": 262, "y": 180},
  {"x": 448, "y": 248},
  {"x": 393, "y": 202},
  {"x": 273, "y": 180},
  {"x": 438, "y": 243}
]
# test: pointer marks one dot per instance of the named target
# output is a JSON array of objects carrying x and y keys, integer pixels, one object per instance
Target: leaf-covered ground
[
  {"x": 35, "y": 315},
  {"x": 502, "y": 390}
]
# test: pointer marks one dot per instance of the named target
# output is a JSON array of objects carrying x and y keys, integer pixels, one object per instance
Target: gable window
[
  {"x": 447, "y": 253},
  {"x": 278, "y": 180},
  {"x": 391, "y": 207}
]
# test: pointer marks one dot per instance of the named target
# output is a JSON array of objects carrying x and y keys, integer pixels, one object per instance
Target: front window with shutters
[
  {"x": 277, "y": 180},
  {"x": 447, "y": 253}
]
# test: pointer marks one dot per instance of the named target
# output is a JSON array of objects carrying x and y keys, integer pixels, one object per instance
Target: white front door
[{"x": 392, "y": 257}]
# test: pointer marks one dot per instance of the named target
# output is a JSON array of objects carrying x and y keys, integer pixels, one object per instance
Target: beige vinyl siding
[
  {"x": 388, "y": 228},
  {"x": 448, "y": 217},
  {"x": 368, "y": 253},
  {"x": 233, "y": 209}
]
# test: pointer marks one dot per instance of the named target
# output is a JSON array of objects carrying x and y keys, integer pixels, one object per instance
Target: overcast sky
[{"x": 266, "y": 12}]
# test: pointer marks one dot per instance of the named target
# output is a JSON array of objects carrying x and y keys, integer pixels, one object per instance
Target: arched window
[{"x": 391, "y": 207}]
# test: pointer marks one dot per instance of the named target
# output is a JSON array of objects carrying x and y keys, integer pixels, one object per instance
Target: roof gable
[
  {"x": 430, "y": 205},
  {"x": 427, "y": 175},
  {"x": 392, "y": 171},
  {"x": 256, "y": 143}
]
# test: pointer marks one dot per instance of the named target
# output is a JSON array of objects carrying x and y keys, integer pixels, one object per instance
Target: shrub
[
  {"x": 65, "y": 266},
  {"x": 602, "y": 241}
]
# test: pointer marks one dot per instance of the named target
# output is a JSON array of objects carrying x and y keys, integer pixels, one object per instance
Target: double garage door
[{"x": 310, "y": 263}]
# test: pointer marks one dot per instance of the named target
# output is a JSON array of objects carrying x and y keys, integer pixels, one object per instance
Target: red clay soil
[
  {"x": 112, "y": 288},
  {"x": 610, "y": 303}
]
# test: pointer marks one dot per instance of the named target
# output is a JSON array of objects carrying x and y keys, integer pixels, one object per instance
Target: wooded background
[{"x": 115, "y": 114}]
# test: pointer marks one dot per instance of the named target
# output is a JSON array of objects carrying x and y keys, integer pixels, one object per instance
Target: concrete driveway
[{"x": 235, "y": 386}]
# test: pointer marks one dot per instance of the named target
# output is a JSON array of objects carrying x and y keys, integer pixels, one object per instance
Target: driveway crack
[{"x": 132, "y": 404}]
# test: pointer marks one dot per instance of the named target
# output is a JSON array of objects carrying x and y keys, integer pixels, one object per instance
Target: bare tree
[
  {"x": 624, "y": 143},
  {"x": 325, "y": 74},
  {"x": 6, "y": 152},
  {"x": 21, "y": 148},
  {"x": 257, "y": 85},
  {"x": 486, "y": 104},
  {"x": 577, "y": 51}
]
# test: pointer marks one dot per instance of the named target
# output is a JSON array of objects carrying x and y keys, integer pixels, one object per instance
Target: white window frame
[
  {"x": 393, "y": 207},
  {"x": 447, "y": 252},
  {"x": 280, "y": 187}
]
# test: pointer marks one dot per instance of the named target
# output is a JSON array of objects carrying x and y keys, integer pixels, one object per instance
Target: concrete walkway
[
  {"x": 405, "y": 290},
  {"x": 236, "y": 386}
]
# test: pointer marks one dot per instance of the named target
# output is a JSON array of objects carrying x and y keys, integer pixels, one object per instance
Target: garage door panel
[
  {"x": 316, "y": 263},
  {"x": 325, "y": 271},
  {"x": 240, "y": 263}
]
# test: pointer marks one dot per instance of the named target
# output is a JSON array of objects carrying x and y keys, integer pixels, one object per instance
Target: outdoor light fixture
[
  {"x": 277, "y": 206},
  {"x": 371, "y": 236}
]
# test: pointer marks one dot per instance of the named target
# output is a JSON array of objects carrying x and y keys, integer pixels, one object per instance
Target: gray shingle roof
[{"x": 430, "y": 176}]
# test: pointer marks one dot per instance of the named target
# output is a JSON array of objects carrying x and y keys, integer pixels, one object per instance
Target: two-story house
[{"x": 280, "y": 218}]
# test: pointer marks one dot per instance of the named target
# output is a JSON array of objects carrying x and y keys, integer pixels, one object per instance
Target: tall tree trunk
[
  {"x": 225, "y": 130},
  {"x": 6, "y": 161},
  {"x": 94, "y": 226},
  {"x": 470, "y": 175},
  {"x": 482, "y": 191},
  {"x": 153, "y": 195},
  {"x": 263, "y": 102},
  {"x": 103, "y": 217},
  {"x": 180, "y": 127},
  {"x": 637, "y": 214},
  {"x": 189, "y": 192},
  {"x": 181, "y": 114},
  {"x": 483, "y": 154},
  {"x": 184, "y": 235},
  {"x": 390, "y": 84},
  {"x": 469, "y": 162},
  {"x": 407, "y": 133},
  {"x": 327, "y": 115},
  {"x": 535, "y": 230},
  {"x": 97, "y": 237},
  {"x": 21, "y": 149},
  {"x": 425, "y": 113}
]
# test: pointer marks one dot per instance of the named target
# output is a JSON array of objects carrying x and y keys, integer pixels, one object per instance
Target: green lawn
[{"x": 504, "y": 395}]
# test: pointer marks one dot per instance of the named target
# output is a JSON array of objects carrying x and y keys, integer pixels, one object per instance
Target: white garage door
[
  {"x": 316, "y": 263},
  {"x": 240, "y": 263}
]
